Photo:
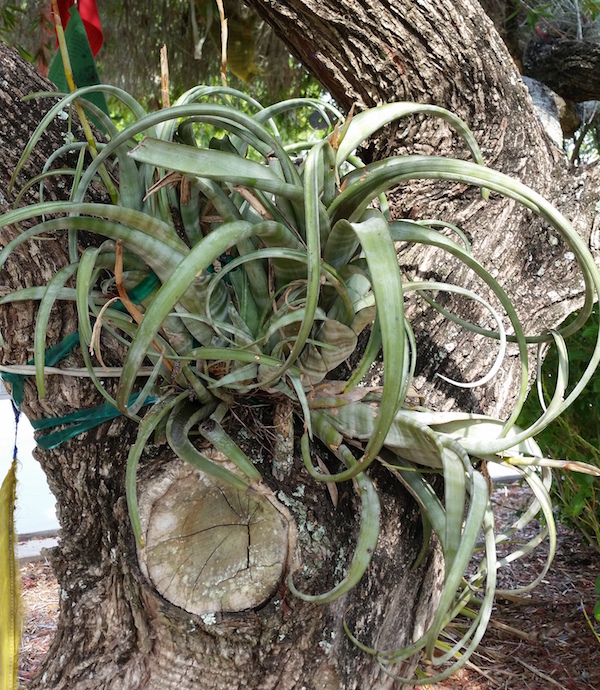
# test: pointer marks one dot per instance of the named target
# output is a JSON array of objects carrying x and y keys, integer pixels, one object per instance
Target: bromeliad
[{"x": 251, "y": 267}]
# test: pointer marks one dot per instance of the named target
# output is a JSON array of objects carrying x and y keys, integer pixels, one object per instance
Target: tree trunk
[
  {"x": 115, "y": 629},
  {"x": 570, "y": 68},
  {"x": 449, "y": 54}
]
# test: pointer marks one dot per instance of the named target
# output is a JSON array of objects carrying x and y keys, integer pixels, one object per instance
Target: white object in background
[
  {"x": 500, "y": 474},
  {"x": 35, "y": 503}
]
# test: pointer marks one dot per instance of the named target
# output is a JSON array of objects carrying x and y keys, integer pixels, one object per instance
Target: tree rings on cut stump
[{"x": 213, "y": 548}]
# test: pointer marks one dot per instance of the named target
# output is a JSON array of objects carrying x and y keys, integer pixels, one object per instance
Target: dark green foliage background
[{"x": 574, "y": 435}]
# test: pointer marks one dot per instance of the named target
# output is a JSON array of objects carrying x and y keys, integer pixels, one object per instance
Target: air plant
[{"x": 285, "y": 256}]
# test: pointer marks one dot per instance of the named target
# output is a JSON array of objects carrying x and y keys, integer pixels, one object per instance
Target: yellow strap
[{"x": 10, "y": 585}]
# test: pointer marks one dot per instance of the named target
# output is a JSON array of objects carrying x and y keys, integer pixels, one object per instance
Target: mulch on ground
[
  {"x": 40, "y": 604},
  {"x": 538, "y": 641}
]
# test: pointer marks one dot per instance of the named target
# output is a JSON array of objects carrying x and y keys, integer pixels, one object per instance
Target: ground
[
  {"x": 542, "y": 640},
  {"x": 40, "y": 599},
  {"x": 539, "y": 642}
]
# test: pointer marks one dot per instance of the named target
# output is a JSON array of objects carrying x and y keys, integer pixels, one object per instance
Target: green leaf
[
  {"x": 151, "y": 421},
  {"x": 578, "y": 503},
  {"x": 201, "y": 256},
  {"x": 341, "y": 245},
  {"x": 247, "y": 306},
  {"x": 43, "y": 317},
  {"x": 363, "y": 125},
  {"x": 214, "y": 165},
  {"x": 365, "y": 545},
  {"x": 214, "y": 432},
  {"x": 317, "y": 361},
  {"x": 154, "y": 241},
  {"x": 376, "y": 242},
  {"x": 180, "y": 421},
  {"x": 82, "y": 61}
]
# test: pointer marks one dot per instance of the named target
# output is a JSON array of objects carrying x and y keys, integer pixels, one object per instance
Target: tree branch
[{"x": 570, "y": 68}]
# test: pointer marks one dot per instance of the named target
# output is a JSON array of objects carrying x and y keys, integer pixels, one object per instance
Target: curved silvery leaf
[
  {"x": 160, "y": 255},
  {"x": 373, "y": 234},
  {"x": 369, "y": 355},
  {"x": 478, "y": 506},
  {"x": 413, "y": 232},
  {"x": 214, "y": 165},
  {"x": 472, "y": 431},
  {"x": 196, "y": 93},
  {"x": 284, "y": 318},
  {"x": 540, "y": 486},
  {"x": 323, "y": 108},
  {"x": 365, "y": 545},
  {"x": 408, "y": 231},
  {"x": 363, "y": 125},
  {"x": 421, "y": 286},
  {"x": 179, "y": 423},
  {"x": 43, "y": 317},
  {"x": 407, "y": 437},
  {"x": 152, "y": 239},
  {"x": 464, "y": 647},
  {"x": 379, "y": 176},
  {"x": 47, "y": 171},
  {"x": 214, "y": 432},
  {"x": 479, "y": 515},
  {"x": 341, "y": 245},
  {"x": 147, "y": 427},
  {"x": 85, "y": 280},
  {"x": 236, "y": 332},
  {"x": 36, "y": 293}
]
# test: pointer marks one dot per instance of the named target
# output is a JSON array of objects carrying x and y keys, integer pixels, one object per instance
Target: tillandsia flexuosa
[{"x": 285, "y": 256}]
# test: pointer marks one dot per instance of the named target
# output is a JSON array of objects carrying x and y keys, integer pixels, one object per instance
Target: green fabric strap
[
  {"x": 82, "y": 420},
  {"x": 79, "y": 422},
  {"x": 57, "y": 352}
]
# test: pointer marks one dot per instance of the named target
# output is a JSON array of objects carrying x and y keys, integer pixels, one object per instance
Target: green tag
[{"x": 82, "y": 62}]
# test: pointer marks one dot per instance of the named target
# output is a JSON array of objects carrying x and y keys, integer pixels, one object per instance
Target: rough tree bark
[
  {"x": 115, "y": 631},
  {"x": 570, "y": 68},
  {"x": 549, "y": 52},
  {"x": 449, "y": 54}
]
